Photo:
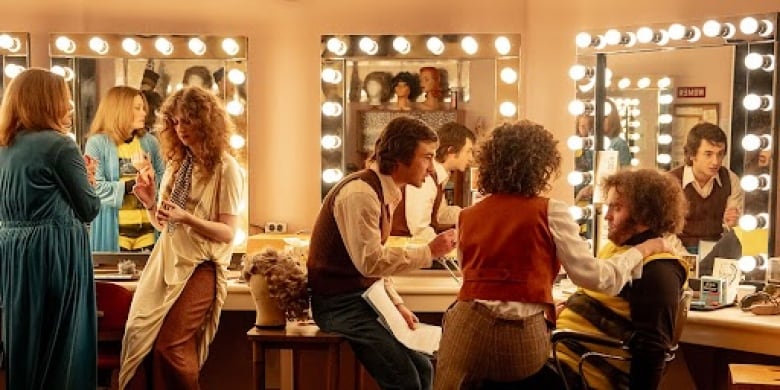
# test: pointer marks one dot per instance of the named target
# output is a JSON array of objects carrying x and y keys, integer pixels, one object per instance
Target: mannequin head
[
  {"x": 430, "y": 80},
  {"x": 407, "y": 85},
  {"x": 377, "y": 87},
  {"x": 197, "y": 75}
]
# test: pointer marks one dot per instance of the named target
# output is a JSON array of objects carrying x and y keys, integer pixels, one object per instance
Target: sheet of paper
[{"x": 425, "y": 338}]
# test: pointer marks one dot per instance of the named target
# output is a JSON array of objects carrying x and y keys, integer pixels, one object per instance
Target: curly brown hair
[
  {"x": 654, "y": 199},
  {"x": 518, "y": 158},
  {"x": 211, "y": 124},
  {"x": 698, "y": 133}
]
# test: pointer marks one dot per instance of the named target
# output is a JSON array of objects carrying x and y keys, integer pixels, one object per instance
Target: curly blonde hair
[
  {"x": 518, "y": 158},
  {"x": 206, "y": 115},
  {"x": 287, "y": 283},
  {"x": 654, "y": 199}
]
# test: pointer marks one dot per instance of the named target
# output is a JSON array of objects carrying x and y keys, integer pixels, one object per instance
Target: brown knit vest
[
  {"x": 401, "y": 225},
  {"x": 705, "y": 215},
  {"x": 508, "y": 252},
  {"x": 331, "y": 270}
]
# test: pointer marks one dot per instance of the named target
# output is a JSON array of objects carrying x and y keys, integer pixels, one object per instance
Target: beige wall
[{"x": 284, "y": 60}]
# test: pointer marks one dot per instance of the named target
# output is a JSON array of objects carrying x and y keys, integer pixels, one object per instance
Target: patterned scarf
[{"x": 182, "y": 185}]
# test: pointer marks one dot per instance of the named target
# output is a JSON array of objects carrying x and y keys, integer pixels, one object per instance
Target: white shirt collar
[
  {"x": 390, "y": 190},
  {"x": 441, "y": 173},
  {"x": 689, "y": 178}
]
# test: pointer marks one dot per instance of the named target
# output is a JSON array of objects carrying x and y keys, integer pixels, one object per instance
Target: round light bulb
[
  {"x": 435, "y": 45},
  {"x": 634, "y": 162},
  {"x": 635, "y": 111},
  {"x": 503, "y": 45},
  {"x": 751, "y": 142},
  {"x": 368, "y": 46},
  {"x": 65, "y": 44},
  {"x": 6, "y": 41},
  {"x": 234, "y": 107},
  {"x": 575, "y": 178},
  {"x": 336, "y": 46},
  {"x": 331, "y": 76},
  {"x": 663, "y": 158},
  {"x": 575, "y": 142},
  {"x": 576, "y": 107},
  {"x": 230, "y": 46},
  {"x": 644, "y": 82},
  {"x": 197, "y": 46},
  {"x": 469, "y": 45},
  {"x": 576, "y": 212},
  {"x": 644, "y": 34},
  {"x": 749, "y": 183},
  {"x": 164, "y": 46},
  {"x": 237, "y": 141},
  {"x": 747, "y": 263},
  {"x": 612, "y": 37},
  {"x": 13, "y": 70},
  {"x": 748, "y": 222},
  {"x": 711, "y": 28},
  {"x": 754, "y": 61},
  {"x": 665, "y": 119},
  {"x": 664, "y": 139},
  {"x": 508, "y": 75},
  {"x": 332, "y": 109},
  {"x": 748, "y": 25},
  {"x": 236, "y": 76},
  {"x": 624, "y": 83},
  {"x": 665, "y": 99},
  {"x": 664, "y": 82},
  {"x": 402, "y": 45},
  {"x": 332, "y": 175},
  {"x": 577, "y": 72},
  {"x": 676, "y": 31},
  {"x": 662, "y": 38},
  {"x": 98, "y": 45},
  {"x": 330, "y": 142},
  {"x": 507, "y": 109},
  {"x": 131, "y": 46},
  {"x": 583, "y": 40},
  {"x": 751, "y": 102}
]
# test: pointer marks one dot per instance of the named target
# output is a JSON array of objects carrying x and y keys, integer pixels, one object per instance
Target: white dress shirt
[
  {"x": 419, "y": 205},
  {"x": 607, "y": 276},
  {"x": 357, "y": 211}
]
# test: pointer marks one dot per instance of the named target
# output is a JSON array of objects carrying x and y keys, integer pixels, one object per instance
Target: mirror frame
[
  {"x": 337, "y": 50},
  {"x": 624, "y": 40},
  {"x": 65, "y": 48}
]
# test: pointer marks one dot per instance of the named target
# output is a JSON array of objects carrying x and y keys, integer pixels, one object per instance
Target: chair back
[
  {"x": 113, "y": 305},
  {"x": 682, "y": 315}
]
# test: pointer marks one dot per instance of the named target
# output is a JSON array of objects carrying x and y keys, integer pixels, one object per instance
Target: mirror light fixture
[
  {"x": 577, "y": 178},
  {"x": 753, "y": 142},
  {"x": 435, "y": 45},
  {"x": 750, "y": 263},
  {"x": 753, "y": 102},
  {"x": 65, "y": 44},
  {"x": 164, "y": 46},
  {"x": 145, "y": 46},
  {"x": 10, "y": 43},
  {"x": 131, "y": 46},
  {"x": 368, "y": 45},
  {"x": 752, "y": 222},
  {"x": 469, "y": 45},
  {"x": 98, "y": 45},
  {"x": 402, "y": 45},
  {"x": 197, "y": 46},
  {"x": 755, "y": 61},
  {"x": 751, "y": 183},
  {"x": 337, "y": 46}
]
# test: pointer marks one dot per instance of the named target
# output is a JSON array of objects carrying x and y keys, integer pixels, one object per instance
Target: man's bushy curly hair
[
  {"x": 519, "y": 158},
  {"x": 654, "y": 199}
]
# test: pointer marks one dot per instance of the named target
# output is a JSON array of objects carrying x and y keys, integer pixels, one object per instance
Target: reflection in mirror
[
  {"x": 148, "y": 69},
  {"x": 727, "y": 80},
  {"x": 368, "y": 80},
  {"x": 15, "y": 55}
]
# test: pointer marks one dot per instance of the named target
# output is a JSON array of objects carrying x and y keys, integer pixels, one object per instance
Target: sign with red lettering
[{"x": 691, "y": 92}]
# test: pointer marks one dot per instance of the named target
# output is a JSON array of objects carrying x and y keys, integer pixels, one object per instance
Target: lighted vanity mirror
[
  {"x": 15, "y": 55},
  {"x": 721, "y": 71},
  {"x": 367, "y": 80},
  {"x": 157, "y": 65}
]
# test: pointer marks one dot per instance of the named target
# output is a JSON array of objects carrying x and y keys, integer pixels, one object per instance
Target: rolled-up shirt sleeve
[
  {"x": 604, "y": 275},
  {"x": 357, "y": 212}
]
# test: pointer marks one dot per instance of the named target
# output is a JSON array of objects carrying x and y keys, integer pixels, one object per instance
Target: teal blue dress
[{"x": 47, "y": 290}]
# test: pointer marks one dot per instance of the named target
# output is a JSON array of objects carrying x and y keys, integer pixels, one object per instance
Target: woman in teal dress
[{"x": 46, "y": 282}]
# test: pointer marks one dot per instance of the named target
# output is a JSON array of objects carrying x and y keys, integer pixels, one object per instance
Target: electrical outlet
[{"x": 275, "y": 227}]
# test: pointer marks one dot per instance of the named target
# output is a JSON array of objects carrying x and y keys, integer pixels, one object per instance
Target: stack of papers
[{"x": 424, "y": 338}]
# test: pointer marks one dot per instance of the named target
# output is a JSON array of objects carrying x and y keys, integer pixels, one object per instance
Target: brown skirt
[{"x": 479, "y": 345}]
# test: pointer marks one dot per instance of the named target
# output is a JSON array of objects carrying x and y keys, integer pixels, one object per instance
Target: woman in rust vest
[{"x": 511, "y": 247}]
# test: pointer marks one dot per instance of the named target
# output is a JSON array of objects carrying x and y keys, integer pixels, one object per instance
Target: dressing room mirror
[
  {"x": 158, "y": 66},
  {"x": 476, "y": 84},
  {"x": 15, "y": 55},
  {"x": 695, "y": 71}
]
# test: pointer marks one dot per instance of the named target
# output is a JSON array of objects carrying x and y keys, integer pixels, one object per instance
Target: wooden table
[{"x": 296, "y": 338}]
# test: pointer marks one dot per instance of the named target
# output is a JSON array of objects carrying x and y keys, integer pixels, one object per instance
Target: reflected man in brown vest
[
  {"x": 713, "y": 192},
  {"x": 347, "y": 254},
  {"x": 424, "y": 211}
]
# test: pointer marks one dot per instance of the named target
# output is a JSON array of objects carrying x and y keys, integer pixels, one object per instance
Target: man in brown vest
[
  {"x": 347, "y": 254},
  {"x": 713, "y": 191},
  {"x": 423, "y": 211}
]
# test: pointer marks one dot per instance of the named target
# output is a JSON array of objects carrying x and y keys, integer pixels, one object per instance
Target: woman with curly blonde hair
[
  {"x": 511, "y": 246},
  {"x": 176, "y": 307}
]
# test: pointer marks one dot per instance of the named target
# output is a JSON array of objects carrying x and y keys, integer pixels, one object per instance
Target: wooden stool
[
  {"x": 296, "y": 338},
  {"x": 753, "y": 377}
]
